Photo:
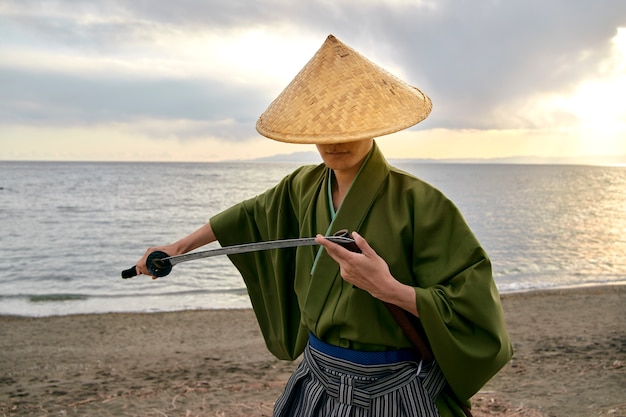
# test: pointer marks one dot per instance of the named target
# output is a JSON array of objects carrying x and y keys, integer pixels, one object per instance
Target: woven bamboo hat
[{"x": 340, "y": 96}]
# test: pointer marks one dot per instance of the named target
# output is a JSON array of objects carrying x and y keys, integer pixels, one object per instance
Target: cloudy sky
[{"x": 186, "y": 80}]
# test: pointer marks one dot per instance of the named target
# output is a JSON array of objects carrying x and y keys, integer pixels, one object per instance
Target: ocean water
[{"x": 68, "y": 229}]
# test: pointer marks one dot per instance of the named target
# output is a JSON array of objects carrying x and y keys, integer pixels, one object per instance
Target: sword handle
[
  {"x": 157, "y": 266},
  {"x": 130, "y": 272}
]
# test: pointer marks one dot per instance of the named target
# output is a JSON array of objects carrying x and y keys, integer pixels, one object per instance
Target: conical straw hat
[{"x": 341, "y": 96}]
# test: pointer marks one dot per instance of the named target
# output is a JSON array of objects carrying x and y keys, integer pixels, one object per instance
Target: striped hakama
[{"x": 338, "y": 382}]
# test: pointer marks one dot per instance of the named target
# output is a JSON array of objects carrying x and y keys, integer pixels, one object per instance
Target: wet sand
[{"x": 570, "y": 360}]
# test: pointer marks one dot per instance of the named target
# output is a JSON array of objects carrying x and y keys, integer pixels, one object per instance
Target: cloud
[
  {"x": 484, "y": 63},
  {"x": 58, "y": 99},
  {"x": 474, "y": 58}
]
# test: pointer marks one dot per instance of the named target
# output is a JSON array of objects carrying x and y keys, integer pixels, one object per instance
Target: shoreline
[
  {"x": 570, "y": 360},
  {"x": 72, "y": 298}
]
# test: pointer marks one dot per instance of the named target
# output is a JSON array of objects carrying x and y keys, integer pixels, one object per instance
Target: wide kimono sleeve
[
  {"x": 269, "y": 275},
  {"x": 457, "y": 299}
]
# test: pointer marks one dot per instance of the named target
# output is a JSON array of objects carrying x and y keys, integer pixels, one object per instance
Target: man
[{"x": 416, "y": 253}]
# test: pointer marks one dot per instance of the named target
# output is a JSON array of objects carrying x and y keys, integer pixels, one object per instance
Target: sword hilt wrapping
[{"x": 130, "y": 272}]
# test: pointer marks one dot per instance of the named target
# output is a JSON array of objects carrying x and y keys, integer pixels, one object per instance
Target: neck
[
  {"x": 343, "y": 181},
  {"x": 341, "y": 184}
]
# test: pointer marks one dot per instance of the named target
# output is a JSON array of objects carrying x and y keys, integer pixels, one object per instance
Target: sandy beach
[{"x": 570, "y": 360}]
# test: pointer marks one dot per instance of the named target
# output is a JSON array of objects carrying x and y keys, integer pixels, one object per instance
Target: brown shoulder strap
[
  {"x": 411, "y": 332},
  {"x": 412, "y": 329}
]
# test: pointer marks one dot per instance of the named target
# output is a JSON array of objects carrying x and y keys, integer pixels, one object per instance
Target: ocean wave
[
  {"x": 61, "y": 297},
  {"x": 56, "y": 298}
]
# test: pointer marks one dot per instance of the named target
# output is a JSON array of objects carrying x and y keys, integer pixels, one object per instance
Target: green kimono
[{"x": 420, "y": 234}]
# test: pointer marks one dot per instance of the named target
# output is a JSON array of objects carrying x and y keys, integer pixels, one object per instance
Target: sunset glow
[{"x": 103, "y": 83}]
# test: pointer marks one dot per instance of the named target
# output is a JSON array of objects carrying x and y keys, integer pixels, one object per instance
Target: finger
[
  {"x": 141, "y": 268},
  {"x": 334, "y": 250},
  {"x": 362, "y": 243},
  {"x": 320, "y": 239}
]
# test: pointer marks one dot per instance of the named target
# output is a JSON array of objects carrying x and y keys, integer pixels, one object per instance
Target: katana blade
[
  {"x": 253, "y": 247},
  {"x": 159, "y": 264}
]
